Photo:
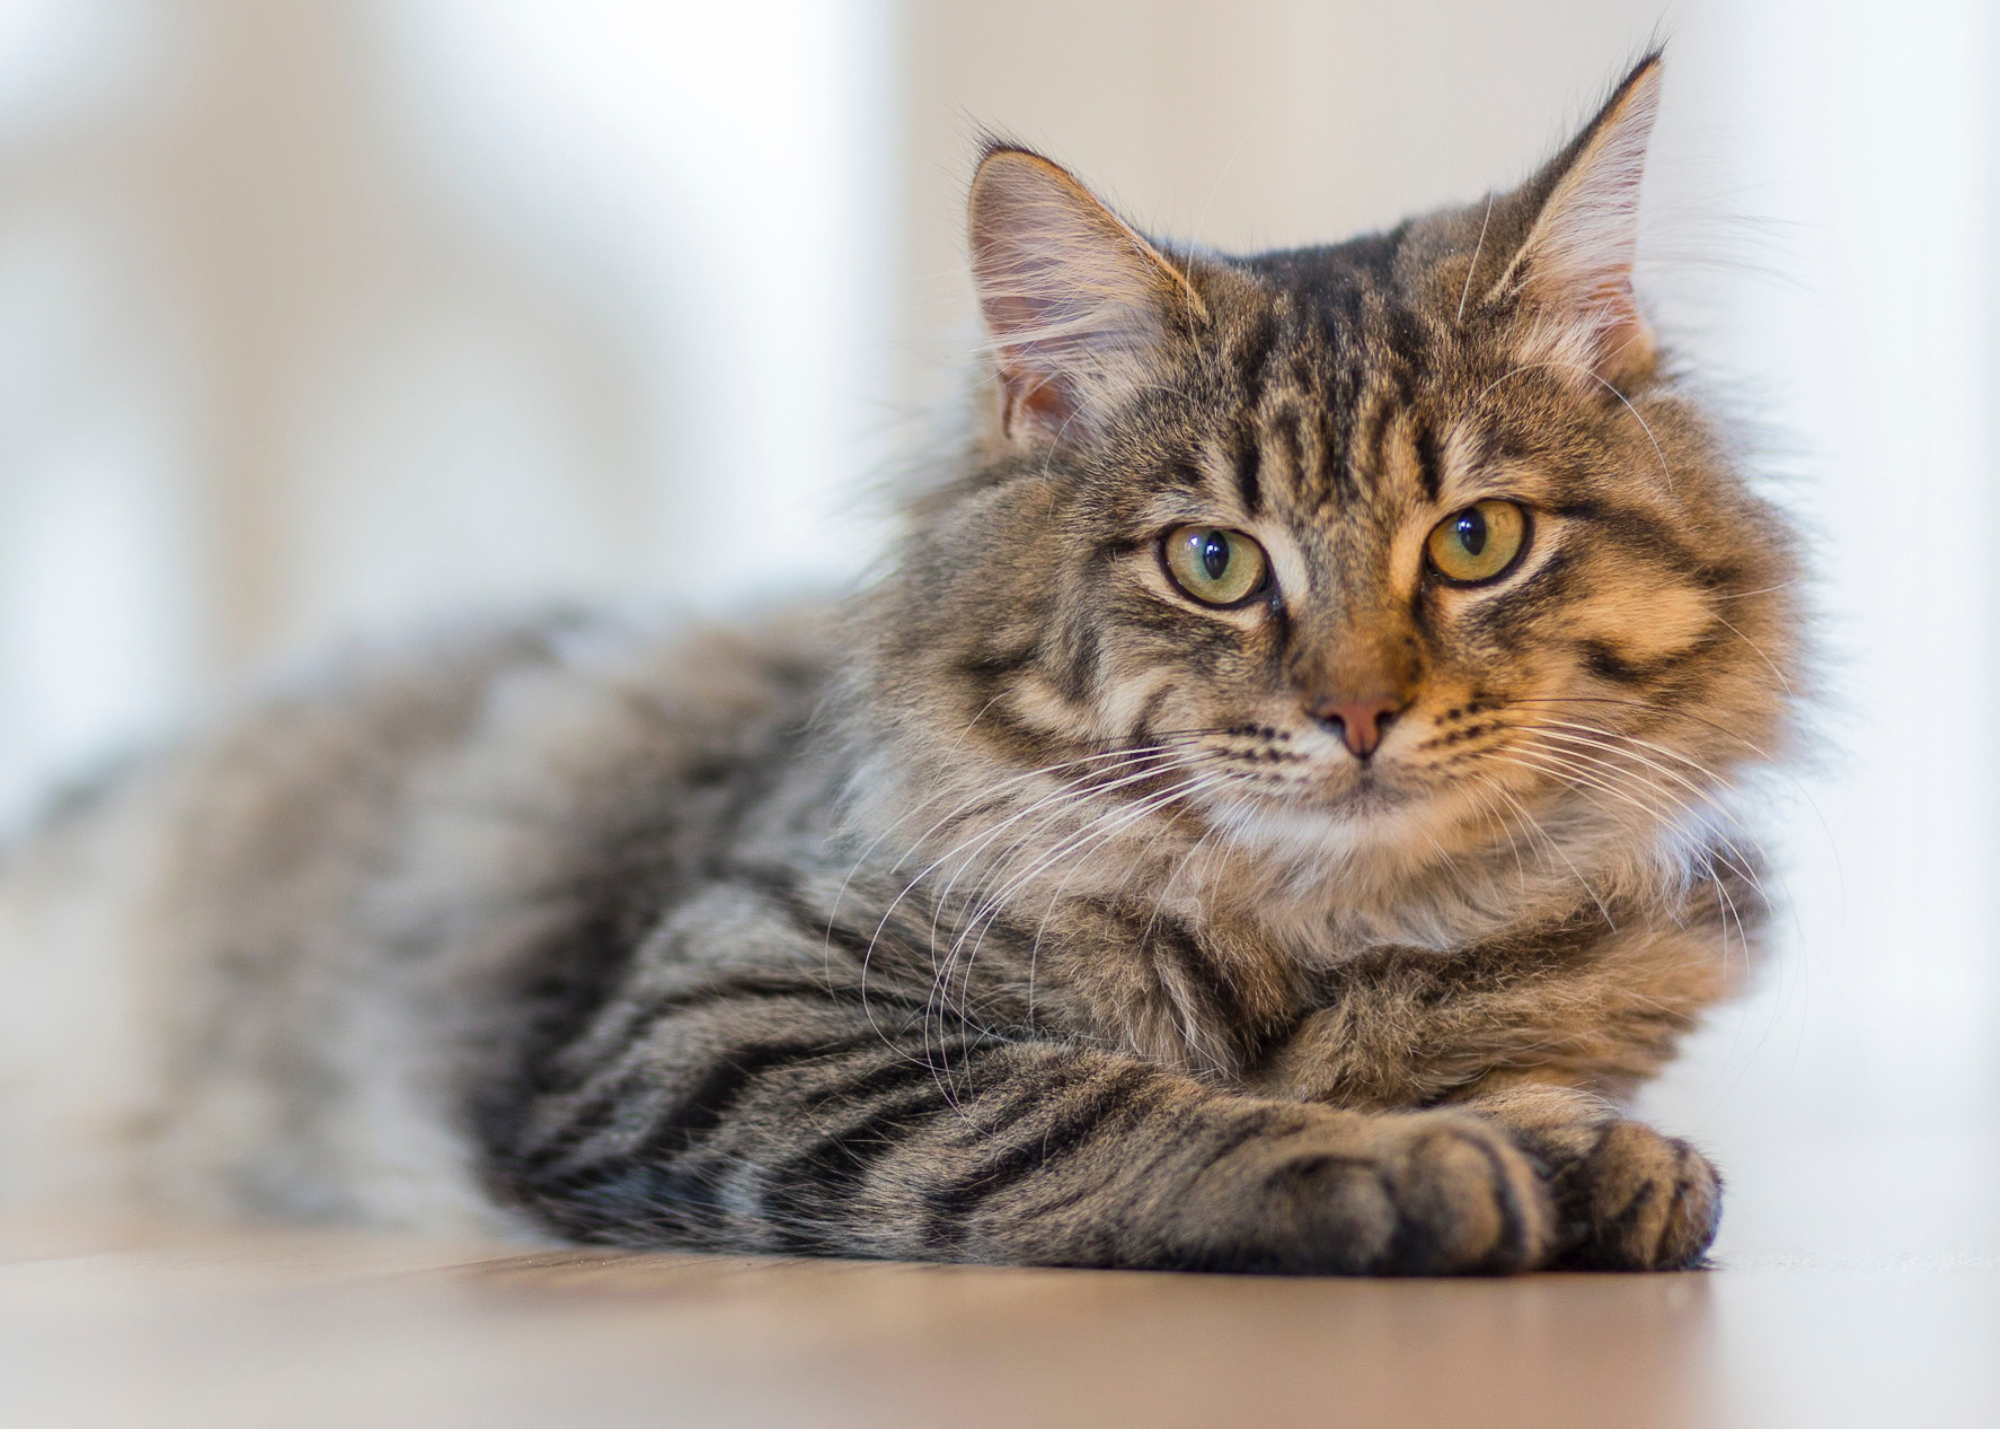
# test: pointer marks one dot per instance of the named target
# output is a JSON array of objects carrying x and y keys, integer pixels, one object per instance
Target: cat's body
[
  {"x": 1185, "y": 856},
  {"x": 287, "y": 946}
]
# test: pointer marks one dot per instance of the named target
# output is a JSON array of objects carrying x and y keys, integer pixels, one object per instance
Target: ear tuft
[
  {"x": 1080, "y": 307},
  {"x": 1575, "y": 267}
]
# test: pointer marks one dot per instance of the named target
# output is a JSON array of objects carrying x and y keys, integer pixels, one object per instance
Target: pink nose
[{"x": 1360, "y": 721}]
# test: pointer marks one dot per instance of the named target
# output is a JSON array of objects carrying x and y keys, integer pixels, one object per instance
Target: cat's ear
[
  {"x": 1079, "y": 306},
  {"x": 1574, "y": 269}
]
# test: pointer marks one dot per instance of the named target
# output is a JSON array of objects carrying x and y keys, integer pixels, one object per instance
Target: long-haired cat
[{"x": 1268, "y": 812}]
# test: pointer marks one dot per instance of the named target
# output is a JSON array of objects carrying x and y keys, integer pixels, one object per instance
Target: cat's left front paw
[{"x": 1637, "y": 1200}]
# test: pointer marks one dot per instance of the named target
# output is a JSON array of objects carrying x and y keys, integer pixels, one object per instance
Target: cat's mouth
[
  {"x": 1350, "y": 788},
  {"x": 1369, "y": 792}
]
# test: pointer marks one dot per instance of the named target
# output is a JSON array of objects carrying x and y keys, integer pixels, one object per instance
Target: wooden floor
[{"x": 1824, "y": 1314}]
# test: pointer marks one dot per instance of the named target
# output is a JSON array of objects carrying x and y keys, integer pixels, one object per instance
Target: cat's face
[{"x": 1397, "y": 549}]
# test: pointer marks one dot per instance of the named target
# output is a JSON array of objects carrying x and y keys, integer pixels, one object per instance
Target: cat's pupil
[
  {"x": 1472, "y": 532},
  {"x": 1214, "y": 555}
]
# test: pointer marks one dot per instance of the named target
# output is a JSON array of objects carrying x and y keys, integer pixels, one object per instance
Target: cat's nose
[{"x": 1359, "y": 720}]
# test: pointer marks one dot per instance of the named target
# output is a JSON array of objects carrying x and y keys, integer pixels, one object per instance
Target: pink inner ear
[
  {"x": 1034, "y": 398},
  {"x": 1577, "y": 263},
  {"x": 1624, "y": 342},
  {"x": 1074, "y": 299},
  {"x": 1031, "y": 371}
]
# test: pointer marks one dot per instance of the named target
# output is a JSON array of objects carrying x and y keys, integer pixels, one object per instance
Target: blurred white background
[{"x": 337, "y": 315}]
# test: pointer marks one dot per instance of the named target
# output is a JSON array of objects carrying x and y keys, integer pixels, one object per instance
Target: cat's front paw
[
  {"x": 1350, "y": 1193},
  {"x": 1465, "y": 1197},
  {"x": 1637, "y": 1200}
]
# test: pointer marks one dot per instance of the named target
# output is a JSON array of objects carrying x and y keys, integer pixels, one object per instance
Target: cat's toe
[
  {"x": 1467, "y": 1198},
  {"x": 1639, "y": 1201}
]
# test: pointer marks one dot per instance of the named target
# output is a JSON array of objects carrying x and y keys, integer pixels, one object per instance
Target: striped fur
[{"x": 1022, "y": 909}]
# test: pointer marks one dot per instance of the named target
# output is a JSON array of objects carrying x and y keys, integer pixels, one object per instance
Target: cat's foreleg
[
  {"x": 1628, "y": 1197},
  {"x": 796, "y": 1124}
]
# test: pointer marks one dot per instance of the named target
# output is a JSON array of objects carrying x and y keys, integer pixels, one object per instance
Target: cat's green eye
[
  {"x": 1214, "y": 566},
  {"x": 1478, "y": 543}
]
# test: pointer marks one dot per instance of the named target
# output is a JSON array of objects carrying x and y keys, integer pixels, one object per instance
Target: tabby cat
[{"x": 1270, "y": 809}]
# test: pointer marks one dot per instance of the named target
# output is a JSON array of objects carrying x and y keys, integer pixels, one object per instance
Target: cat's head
[{"x": 1358, "y": 563}]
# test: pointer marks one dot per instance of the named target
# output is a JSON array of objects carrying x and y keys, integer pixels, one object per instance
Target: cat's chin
[
  {"x": 1366, "y": 823},
  {"x": 1371, "y": 833}
]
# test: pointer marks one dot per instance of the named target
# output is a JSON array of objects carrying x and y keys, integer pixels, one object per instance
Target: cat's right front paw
[
  {"x": 1466, "y": 1197},
  {"x": 1420, "y": 1193}
]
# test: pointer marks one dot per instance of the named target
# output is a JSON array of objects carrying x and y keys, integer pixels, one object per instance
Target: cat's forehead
[
  {"x": 1333, "y": 324},
  {"x": 1331, "y": 294},
  {"x": 1339, "y": 391}
]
